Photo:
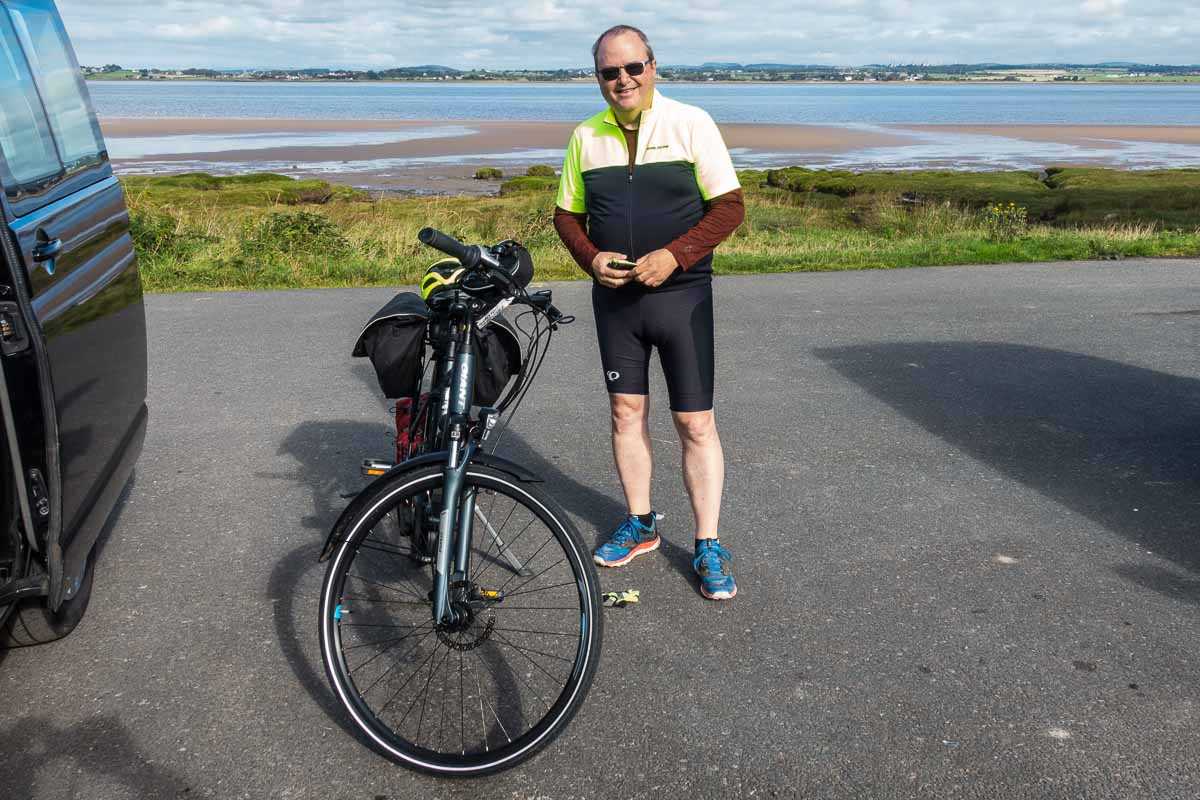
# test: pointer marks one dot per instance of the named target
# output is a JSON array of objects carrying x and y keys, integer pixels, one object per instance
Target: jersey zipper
[{"x": 629, "y": 215}]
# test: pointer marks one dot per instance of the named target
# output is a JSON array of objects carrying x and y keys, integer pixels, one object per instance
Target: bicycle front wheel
[{"x": 491, "y": 689}]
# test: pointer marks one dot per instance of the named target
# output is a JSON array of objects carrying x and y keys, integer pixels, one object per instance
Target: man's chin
[{"x": 630, "y": 102}]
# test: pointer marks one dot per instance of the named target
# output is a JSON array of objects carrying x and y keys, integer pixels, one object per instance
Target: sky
[{"x": 538, "y": 34}]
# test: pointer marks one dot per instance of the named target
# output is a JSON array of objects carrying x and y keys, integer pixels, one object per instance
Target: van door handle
[{"x": 47, "y": 250}]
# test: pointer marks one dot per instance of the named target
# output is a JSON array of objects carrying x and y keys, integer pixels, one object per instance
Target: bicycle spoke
[
  {"x": 557, "y": 585},
  {"x": 509, "y": 546},
  {"x": 392, "y": 667},
  {"x": 381, "y": 641},
  {"x": 530, "y": 559},
  {"x": 544, "y": 633},
  {"x": 536, "y": 652},
  {"x": 395, "y": 589},
  {"x": 358, "y": 599},
  {"x": 531, "y": 661},
  {"x": 491, "y": 707},
  {"x": 416, "y": 672}
]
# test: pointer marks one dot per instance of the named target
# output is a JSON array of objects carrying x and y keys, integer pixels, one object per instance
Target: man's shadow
[{"x": 1117, "y": 443}]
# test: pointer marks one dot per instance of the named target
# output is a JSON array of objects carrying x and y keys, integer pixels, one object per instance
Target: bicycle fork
[{"x": 458, "y": 506}]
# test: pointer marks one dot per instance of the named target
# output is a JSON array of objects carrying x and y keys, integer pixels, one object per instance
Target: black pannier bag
[
  {"x": 394, "y": 340},
  {"x": 497, "y": 360}
]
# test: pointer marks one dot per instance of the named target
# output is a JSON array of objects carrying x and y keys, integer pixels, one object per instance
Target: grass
[{"x": 199, "y": 232}]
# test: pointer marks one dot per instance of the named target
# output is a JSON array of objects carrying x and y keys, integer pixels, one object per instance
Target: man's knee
[
  {"x": 696, "y": 427},
  {"x": 628, "y": 412}
]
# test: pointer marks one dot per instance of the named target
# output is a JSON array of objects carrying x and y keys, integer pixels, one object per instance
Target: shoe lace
[
  {"x": 712, "y": 561},
  {"x": 625, "y": 534}
]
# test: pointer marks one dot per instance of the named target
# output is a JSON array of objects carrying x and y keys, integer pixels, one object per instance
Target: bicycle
[{"x": 455, "y": 584}]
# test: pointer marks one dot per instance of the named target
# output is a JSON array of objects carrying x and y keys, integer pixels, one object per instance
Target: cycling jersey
[{"x": 681, "y": 163}]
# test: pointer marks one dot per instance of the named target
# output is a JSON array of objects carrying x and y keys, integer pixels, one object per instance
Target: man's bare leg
[
  {"x": 631, "y": 448},
  {"x": 703, "y": 467}
]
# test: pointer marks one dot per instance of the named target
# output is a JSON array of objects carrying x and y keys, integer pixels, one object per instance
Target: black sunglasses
[{"x": 632, "y": 70}]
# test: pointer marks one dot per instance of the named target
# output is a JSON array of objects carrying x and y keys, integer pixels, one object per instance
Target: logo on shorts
[{"x": 612, "y": 375}]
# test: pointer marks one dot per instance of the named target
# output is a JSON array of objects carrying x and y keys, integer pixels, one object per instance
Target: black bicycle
[{"x": 460, "y": 618}]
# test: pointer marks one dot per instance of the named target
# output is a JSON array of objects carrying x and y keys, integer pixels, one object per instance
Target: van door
[{"x": 68, "y": 214}]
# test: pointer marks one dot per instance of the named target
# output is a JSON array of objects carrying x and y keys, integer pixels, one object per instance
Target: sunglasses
[{"x": 632, "y": 70}]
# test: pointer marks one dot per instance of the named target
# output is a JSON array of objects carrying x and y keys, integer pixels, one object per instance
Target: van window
[
  {"x": 45, "y": 40},
  {"x": 24, "y": 134}
]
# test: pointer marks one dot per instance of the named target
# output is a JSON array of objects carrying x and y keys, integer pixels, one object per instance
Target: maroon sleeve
[
  {"x": 721, "y": 218},
  {"x": 572, "y": 229}
]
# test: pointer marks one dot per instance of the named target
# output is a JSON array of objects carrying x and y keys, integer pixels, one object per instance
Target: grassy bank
[{"x": 197, "y": 232}]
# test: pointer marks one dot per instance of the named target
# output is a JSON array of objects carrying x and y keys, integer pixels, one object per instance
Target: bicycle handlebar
[{"x": 468, "y": 255}]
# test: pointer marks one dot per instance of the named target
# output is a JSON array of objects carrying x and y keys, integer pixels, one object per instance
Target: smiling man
[{"x": 647, "y": 192}]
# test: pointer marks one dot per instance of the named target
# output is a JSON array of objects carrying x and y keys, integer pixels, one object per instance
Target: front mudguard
[{"x": 420, "y": 462}]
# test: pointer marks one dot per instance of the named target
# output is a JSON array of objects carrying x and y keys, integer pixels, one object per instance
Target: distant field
[{"x": 198, "y": 232}]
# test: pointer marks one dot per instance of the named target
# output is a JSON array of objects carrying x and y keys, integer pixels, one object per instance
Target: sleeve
[
  {"x": 725, "y": 213},
  {"x": 570, "y": 186},
  {"x": 715, "y": 174},
  {"x": 572, "y": 230}
]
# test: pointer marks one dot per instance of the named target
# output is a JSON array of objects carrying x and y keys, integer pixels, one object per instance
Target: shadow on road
[
  {"x": 66, "y": 761},
  {"x": 1117, "y": 443}
]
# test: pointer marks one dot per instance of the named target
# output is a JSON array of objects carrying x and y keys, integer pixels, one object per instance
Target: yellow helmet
[{"x": 440, "y": 276}]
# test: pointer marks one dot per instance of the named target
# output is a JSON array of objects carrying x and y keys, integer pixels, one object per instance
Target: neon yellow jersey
[{"x": 681, "y": 162}]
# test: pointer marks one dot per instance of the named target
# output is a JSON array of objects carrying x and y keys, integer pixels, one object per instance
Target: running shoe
[
  {"x": 629, "y": 540},
  {"x": 712, "y": 565}
]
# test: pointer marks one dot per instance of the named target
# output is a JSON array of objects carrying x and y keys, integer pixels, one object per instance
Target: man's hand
[
  {"x": 606, "y": 275},
  {"x": 654, "y": 268}
]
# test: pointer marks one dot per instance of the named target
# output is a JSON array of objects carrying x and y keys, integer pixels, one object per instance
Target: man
[{"x": 649, "y": 182}]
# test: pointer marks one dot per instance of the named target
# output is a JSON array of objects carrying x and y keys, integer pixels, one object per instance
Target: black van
[{"x": 72, "y": 331}]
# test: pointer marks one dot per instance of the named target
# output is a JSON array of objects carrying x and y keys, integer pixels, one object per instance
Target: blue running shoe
[
  {"x": 629, "y": 540},
  {"x": 712, "y": 565}
]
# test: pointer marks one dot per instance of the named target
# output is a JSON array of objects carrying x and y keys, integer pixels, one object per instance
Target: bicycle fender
[{"x": 429, "y": 459}]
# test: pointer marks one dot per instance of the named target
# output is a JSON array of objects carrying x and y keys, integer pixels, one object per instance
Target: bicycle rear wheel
[{"x": 492, "y": 689}]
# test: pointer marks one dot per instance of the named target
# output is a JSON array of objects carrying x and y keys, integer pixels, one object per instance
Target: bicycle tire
[{"x": 372, "y": 584}]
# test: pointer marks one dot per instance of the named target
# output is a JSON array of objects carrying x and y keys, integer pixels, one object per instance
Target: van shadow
[
  {"x": 1117, "y": 443},
  {"x": 72, "y": 754}
]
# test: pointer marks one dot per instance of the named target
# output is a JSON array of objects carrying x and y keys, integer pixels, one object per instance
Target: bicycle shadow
[
  {"x": 1117, "y": 443},
  {"x": 327, "y": 455}
]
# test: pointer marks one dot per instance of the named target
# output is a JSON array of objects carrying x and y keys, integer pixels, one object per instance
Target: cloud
[{"x": 559, "y": 33}]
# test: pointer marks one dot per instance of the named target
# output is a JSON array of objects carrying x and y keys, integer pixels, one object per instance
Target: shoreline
[
  {"x": 440, "y": 156},
  {"x": 723, "y": 82}
]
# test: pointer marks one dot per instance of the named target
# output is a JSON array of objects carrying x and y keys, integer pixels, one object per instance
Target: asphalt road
[{"x": 964, "y": 504}]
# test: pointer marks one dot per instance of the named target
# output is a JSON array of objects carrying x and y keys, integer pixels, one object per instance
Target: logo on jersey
[{"x": 612, "y": 375}]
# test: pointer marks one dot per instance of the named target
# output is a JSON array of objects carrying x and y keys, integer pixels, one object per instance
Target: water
[{"x": 839, "y": 104}]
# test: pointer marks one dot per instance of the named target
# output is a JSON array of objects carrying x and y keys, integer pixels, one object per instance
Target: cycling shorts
[{"x": 678, "y": 322}]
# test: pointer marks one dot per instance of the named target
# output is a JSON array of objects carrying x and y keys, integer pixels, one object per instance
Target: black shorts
[{"x": 679, "y": 322}]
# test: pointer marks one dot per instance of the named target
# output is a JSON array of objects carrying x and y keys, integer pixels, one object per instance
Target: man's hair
[{"x": 617, "y": 30}]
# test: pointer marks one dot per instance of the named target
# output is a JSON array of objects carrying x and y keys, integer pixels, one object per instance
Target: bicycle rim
[{"x": 491, "y": 690}]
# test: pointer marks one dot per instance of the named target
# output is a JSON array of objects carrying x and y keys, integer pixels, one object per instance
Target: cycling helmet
[{"x": 441, "y": 276}]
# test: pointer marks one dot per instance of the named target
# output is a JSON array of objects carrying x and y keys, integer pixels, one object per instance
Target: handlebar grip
[{"x": 449, "y": 245}]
